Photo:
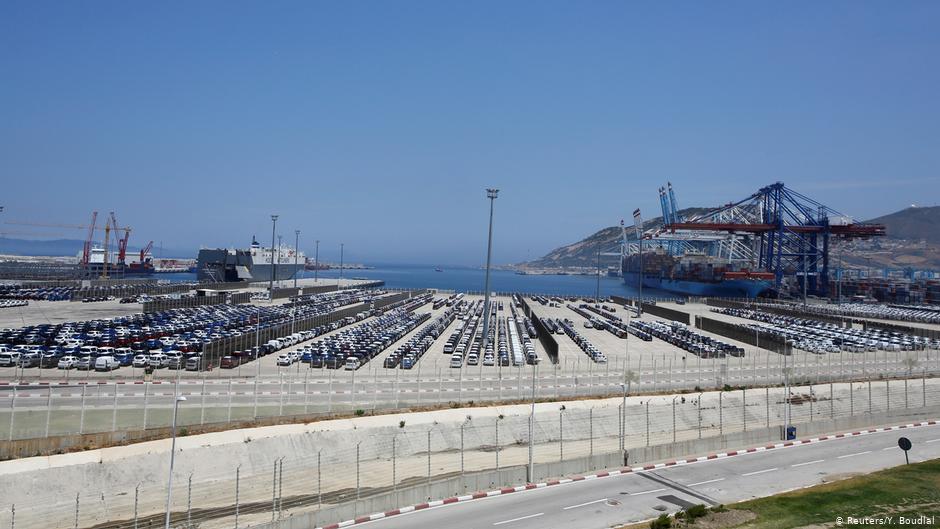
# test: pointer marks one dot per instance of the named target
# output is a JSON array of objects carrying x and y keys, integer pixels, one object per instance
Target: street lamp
[
  {"x": 277, "y": 261},
  {"x": 490, "y": 194},
  {"x": 169, "y": 484},
  {"x": 531, "y": 477},
  {"x": 296, "y": 245},
  {"x": 341, "y": 250},
  {"x": 316, "y": 263},
  {"x": 271, "y": 281}
]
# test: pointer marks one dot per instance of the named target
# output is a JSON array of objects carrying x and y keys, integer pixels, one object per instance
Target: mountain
[
  {"x": 913, "y": 224},
  {"x": 584, "y": 252},
  {"x": 913, "y": 240}
]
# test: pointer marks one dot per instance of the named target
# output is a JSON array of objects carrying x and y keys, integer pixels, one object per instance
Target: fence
[
  {"x": 85, "y": 406},
  {"x": 245, "y": 484}
]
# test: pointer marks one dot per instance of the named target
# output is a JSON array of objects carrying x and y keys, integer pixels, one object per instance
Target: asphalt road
[{"x": 598, "y": 503}]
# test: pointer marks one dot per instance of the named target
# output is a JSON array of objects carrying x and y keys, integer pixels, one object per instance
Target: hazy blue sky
[{"x": 381, "y": 123}]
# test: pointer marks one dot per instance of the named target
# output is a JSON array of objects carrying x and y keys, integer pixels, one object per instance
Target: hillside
[
  {"x": 913, "y": 241},
  {"x": 913, "y": 224},
  {"x": 584, "y": 252}
]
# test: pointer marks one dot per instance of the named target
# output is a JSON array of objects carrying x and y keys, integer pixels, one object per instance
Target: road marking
[
  {"x": 704, "y": 482},
  {"x": 932, "y": 441},
  {"x": 808, "y": 463},
  {"x": 760, "y": 471},
  {"x": 646, "y": 492},
  {"x": 583, "y": 504},
  {"x": 888, "y": 448},
  {"x": 855, "y": 454},
  {"x": 517, "y": 519}
]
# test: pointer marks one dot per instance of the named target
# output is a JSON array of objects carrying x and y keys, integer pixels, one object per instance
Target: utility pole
[
  {"x": 274, "y": 269},
  {"x": 342, "y": 247},
  {"x": 316, "y": 263},
  {"x": 597, "y": 289},
  {"x": 491, "y": 194},
  {"x": 296, "y": 246}
]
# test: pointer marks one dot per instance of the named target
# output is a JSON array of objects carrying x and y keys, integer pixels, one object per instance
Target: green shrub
[
  {"x": 663, "y": 522},
  {"x": 360, "y": 413},
  {"x": 696, "y": 511}
]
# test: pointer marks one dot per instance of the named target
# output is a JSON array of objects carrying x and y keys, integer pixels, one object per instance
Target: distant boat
[{"x": 438, "y": 269}]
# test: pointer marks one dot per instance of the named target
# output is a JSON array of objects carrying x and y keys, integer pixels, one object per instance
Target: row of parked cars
[
  {"x": 821, "y": 337},
  {"x": 897, "y": 312},
  {"x": 354, "y": 347},
  {"x": 36, "y": 294},
  {"x": 408, "y": 353},
  {"x": 9, "y": 303},
  {"x": 683, "y": 337},
  {"x": 184, "y": 330},
  {"x": 591, "y": 350}
]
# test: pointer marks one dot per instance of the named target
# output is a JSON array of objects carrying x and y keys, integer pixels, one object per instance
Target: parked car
[
  {"x": 83, "y": 363},
  {"x": 106, "y": 363},
  {"x": 141, "y": 361},
  {"x": 67, "y": 362}
]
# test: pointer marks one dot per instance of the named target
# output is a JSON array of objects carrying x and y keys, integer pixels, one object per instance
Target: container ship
[
  {"x": 254, "y": 264},
  {"x": 696, "y": 275}
]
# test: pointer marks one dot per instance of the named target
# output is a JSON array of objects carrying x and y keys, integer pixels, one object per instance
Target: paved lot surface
[{"x": 632, "y": 497}]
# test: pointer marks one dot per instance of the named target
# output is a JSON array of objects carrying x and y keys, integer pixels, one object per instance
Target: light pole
[
  {"x": 169, "y": 484},
  {"x": 490, "y": 194},
  {"x": 342, "y": 248},
  {"x": 531, "y": 477},
  {"x": 296, "y": 246},
  {"x": 271, "y": 282},
  {"x": 316, "y": 263},
  {"x": 278, "y": 261}
]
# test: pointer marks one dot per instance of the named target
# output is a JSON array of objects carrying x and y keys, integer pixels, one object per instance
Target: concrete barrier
[
  {"x": 438, "y": 488},
  {"x": 663, "y": 452}
]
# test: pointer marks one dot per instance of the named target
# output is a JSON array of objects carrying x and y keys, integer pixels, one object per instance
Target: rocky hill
[
  {"x": 913, "y": 241},
  {"x": 913, "y": 224},
  {"x": 583, "y": 254}
]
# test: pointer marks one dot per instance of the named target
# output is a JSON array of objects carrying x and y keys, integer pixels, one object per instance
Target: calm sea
[{"x": 472, "y": 279}]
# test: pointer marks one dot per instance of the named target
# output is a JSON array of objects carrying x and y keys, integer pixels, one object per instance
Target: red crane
[
  {"x": 145, "y": 251},
  {"x": 122, "y": 243}
]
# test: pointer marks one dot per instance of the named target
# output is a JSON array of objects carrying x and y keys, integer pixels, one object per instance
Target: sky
[{"x": 380, "y": 124}]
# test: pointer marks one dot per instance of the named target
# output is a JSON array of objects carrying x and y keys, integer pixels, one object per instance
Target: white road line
[
  {"x": 646, "y": 492},
  {"x": 704, "y": 482},
  {"x": 888, "y": 448},
  {"x": 583, "y": 504},
  {"x": 855, "y": 454},
  {"x": 932, "y": 441},
  {"x": 808, "y": 463},
  {"x": 760, "y": 471},
  {"x": 517, "y": 519}
]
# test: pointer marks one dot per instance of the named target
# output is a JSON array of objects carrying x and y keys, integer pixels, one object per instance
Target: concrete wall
[
  {"x": 757, "y": 436},
  {"x": 438, "y": 489}
]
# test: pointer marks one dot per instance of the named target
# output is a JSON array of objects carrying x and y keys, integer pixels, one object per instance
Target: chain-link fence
[{"x": 333, "y": 467}]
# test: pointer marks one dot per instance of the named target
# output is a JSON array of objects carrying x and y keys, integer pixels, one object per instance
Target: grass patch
[{"x": 909, "y": 491}]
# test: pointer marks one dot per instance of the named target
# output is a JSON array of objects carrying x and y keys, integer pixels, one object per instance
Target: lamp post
[
  {"x": 531, "y": 469},
  {"x": 271, "y": 282},
  {"x": 169, "y": 484},
  {"x": 490, "y": 194},
  {"x": 277, "y": 261},
  {"x": 296, "y": 246},
  {"x": 316, "y": 263},
  {"x": 341, "y": 250}
]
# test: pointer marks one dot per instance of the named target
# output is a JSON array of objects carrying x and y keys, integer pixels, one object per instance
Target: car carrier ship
[
  {"x": 226, "y": 265},
  {"x": 695, "y": 274}
]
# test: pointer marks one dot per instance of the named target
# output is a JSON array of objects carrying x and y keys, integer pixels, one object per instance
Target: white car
[
  {"x": 106, "y": 363},
  {"x": 67, "y": 362},
  {"x": 284, "y": 360},
  {"x": 141, "y": 361}
]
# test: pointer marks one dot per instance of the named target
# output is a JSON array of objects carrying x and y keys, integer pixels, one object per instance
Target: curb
[{"x": 617, "y": 472}]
